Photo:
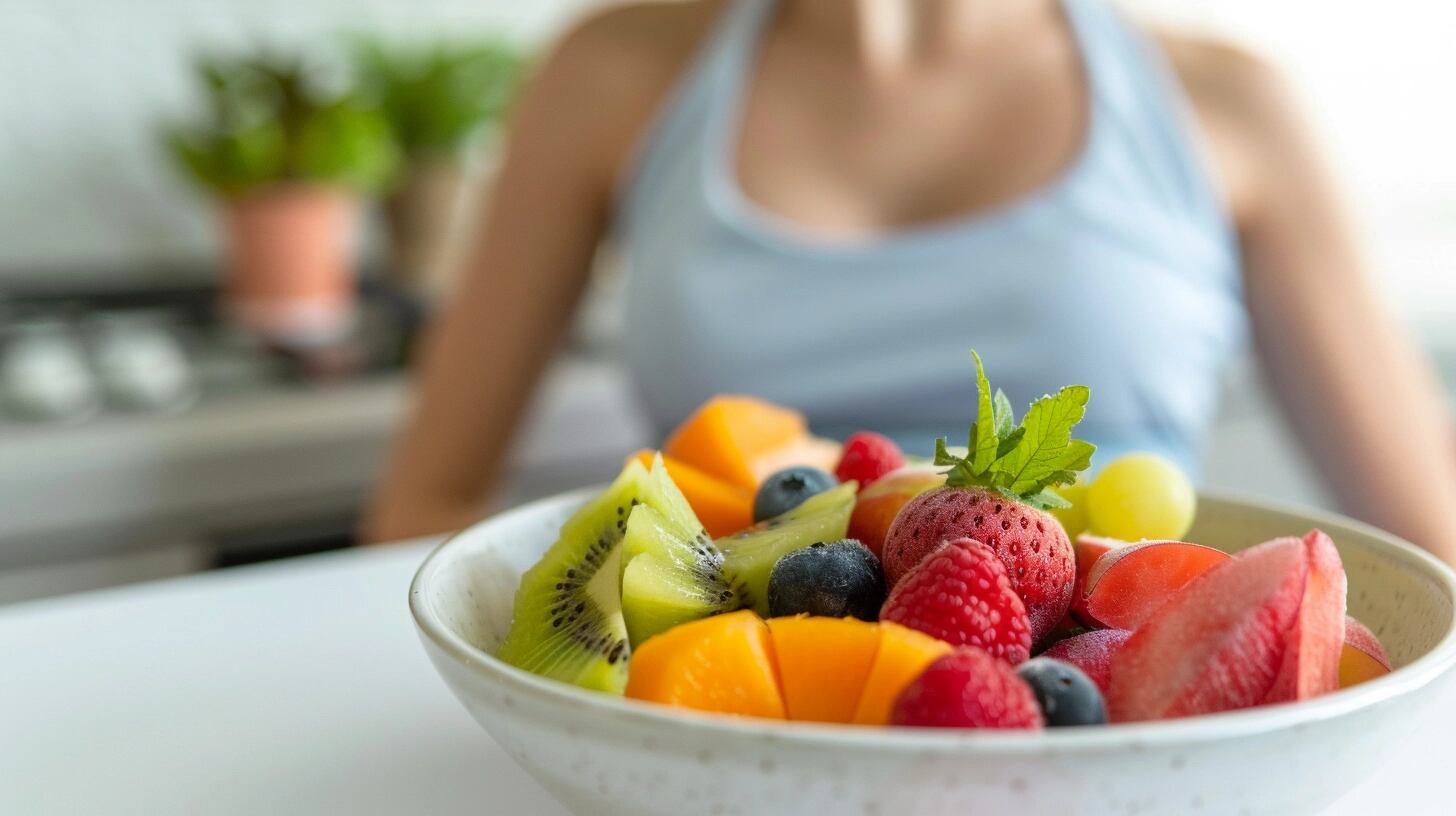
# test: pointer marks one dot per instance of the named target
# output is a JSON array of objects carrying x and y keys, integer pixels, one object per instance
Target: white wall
[
  {"x": 84, "y": 83},
  {"x": 1376, "y": 78}
]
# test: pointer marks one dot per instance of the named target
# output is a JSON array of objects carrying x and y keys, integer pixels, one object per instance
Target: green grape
[
  {"x": 1074, "y": 519},
  {"x": 1141, "y": 496}
]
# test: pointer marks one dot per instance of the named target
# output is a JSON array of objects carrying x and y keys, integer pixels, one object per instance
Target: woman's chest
[
  {"x": 885, "y": 332},
  {"x": 836, "y": 153}
]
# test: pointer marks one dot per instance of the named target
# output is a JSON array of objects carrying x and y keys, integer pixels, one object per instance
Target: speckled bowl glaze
[{"x": 603, "y": 755}]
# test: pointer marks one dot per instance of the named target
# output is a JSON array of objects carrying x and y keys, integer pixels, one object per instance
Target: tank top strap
[
  {"x": 695, "y": 99},
  {"x": 1141, "y": 104}
]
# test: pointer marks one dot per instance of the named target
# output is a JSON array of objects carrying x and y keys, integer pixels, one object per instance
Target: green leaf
[
  {"x": 1009, "y": 442},
  {"x": 984, "y": 439},
  {"x": 1047, "y": 450},
  {"x": 272, "y": 118},
  {"x": 960, "y": 467},
  {"x": 439, "y": 97},
  {"x": 943, "y": 455},
  {"x": 1005, "y": 417},
  {"x": 1046, "y": 500},
  {"x": 1020, "y": 462}
]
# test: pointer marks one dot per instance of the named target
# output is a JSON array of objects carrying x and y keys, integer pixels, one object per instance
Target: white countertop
[{"x": 300, "y": 687}]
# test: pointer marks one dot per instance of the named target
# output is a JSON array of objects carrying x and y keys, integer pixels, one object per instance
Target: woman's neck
[{"x": 887, "y": 35}]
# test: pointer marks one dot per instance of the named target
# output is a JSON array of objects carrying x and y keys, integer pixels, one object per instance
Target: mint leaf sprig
[{"x": 1021, "y": 461}]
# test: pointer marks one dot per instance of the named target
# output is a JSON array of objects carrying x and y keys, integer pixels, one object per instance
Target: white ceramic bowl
[{"x": 602, "y": 755}]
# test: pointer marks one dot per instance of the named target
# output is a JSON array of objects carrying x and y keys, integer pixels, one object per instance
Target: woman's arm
[
  {"x": 576, "y": 123},
  {"x": 485, "y": 353},
  {"x": 1358, "y": 392},
  {"x": 548, "y": 210}
]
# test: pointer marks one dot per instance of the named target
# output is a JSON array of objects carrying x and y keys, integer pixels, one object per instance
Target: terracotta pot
[
  {"x": 289, "y": 278},
  {"x": 429, "y": 217}
]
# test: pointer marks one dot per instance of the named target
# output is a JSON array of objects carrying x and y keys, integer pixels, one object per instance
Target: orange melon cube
[
  {"x": 1356, "y": 667},
  {"x": 728, "y": 434},
  {"x": 823, "y": 664},
  {"x": 902, "y": 655},
  {"x": 1362, "y": 657},
  {"x": 722, "y": 508},
  {"x": 723, "y": 664}
]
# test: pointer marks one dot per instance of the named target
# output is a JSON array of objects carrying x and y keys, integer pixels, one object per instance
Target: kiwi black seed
[{"x": 568, "y": 622}]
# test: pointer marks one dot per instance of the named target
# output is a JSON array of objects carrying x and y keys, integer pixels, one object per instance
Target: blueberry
[
  {"x": 1066, "y": 695},
  {"x": 787, "y": 489},
  {"x": 836, "y": 580}
]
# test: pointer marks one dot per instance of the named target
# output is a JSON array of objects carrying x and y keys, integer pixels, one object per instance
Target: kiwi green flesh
[
  {"x": 568, "y": 622},
  {"x": 658, "y": 594},
  {"x": 663, "y": 495},
  {"x": 672, "y": 574},
  {"x": 749, "y": 556}
]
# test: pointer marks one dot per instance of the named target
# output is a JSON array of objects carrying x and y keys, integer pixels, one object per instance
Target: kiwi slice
[
  {"x": 568, "y": 622},
  {"x": 750, "y": 556},
  {"x": 672, "y": 573}
]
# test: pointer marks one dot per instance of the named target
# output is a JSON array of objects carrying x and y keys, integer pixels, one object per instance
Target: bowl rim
[{"x": 1135, "y": 736}]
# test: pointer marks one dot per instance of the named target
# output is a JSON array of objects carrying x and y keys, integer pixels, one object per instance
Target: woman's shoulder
[
  {"x": 630, "y": 49},
  {"x": 1245, "y": 104},
  {"x": 644, "y": 24},
  {"x": 1220, "y": 73},
  {"x": 606, "y": 74},
  {"x": 630, "y": 53}
]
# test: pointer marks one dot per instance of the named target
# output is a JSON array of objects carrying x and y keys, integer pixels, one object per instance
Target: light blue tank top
[{"x": 1123, "y": 273}]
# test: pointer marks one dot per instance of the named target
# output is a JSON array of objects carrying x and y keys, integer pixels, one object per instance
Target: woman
[{"x": 828, "y": 202}]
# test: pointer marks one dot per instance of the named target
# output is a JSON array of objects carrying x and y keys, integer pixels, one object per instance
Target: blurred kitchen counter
[{"x": 129, "y": 497}]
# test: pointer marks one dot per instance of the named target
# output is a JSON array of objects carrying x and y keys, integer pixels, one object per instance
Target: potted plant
[
  {"x": 289, "y": 157},
  {"x": 442, "y": 101}
]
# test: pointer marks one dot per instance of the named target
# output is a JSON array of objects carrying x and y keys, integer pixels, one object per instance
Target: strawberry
[
  {"x": 968, "y": 689},
  {"x": 866, "y": 457},
  {"x": 961, "y": 595},
  {"x": 1037, "y": 555},
  {"x": 998, "y": 493}
]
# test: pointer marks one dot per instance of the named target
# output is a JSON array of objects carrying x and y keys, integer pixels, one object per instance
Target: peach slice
[
  {"x": 876, "y": 506},
  {"x": 1128, "y": 584},
  {"x": 1362, "y": 657},
  {"x": 1092, "y": 652},
  {"x": 1312, "y": 646},
  {"x": 807, "y": 451},
  {"x": 1088, "y": 549},
  {"x": 1216, "y": 645}
]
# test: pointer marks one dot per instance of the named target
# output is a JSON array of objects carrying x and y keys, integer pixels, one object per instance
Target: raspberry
[
  {"x": 968, "y": 689},
  {"x": 961, "y": 594},
  {"x": 866, "y": 457}
]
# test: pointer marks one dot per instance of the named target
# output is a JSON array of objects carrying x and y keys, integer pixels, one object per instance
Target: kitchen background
[{"x": 139, "y": 438}]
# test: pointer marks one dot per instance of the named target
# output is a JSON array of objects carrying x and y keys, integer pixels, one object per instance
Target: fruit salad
[{"x": 750, "y": 568}]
